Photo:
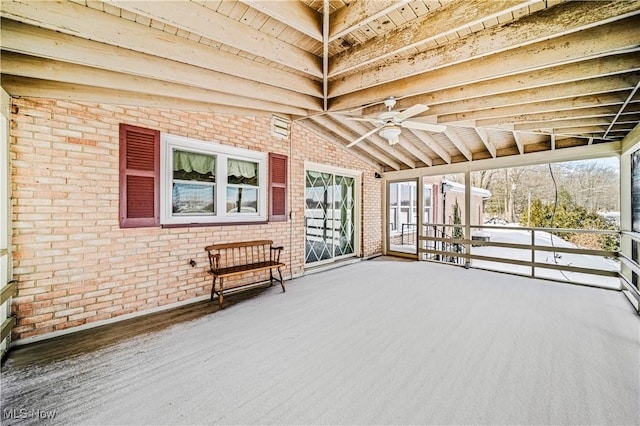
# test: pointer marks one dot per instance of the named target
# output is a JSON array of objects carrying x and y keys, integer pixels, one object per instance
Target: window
[
  {"x": 172, "y": 180},
  {"x": 203, "y": 182},
  {"x": 194, "y": 181}
]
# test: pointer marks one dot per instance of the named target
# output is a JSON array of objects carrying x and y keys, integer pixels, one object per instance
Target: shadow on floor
[{"x": 87, "y": 341}]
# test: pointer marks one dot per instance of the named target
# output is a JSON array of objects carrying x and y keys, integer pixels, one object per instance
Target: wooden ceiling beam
[
  {"x": 357, "y": 14},
  {"x": 614, "y": 38},
  {"x": 519, "y": 142},
  {"x": 322, "y": 133},
  {"x": 132, "y": 37},
  {"x": 431, "y": 143},
  {"x": 584, "y": 152},
  {"x": 580, "y": 102},
  {"x": 524, "y": 83},
  {"x": 205, "y": 22},
  {"x": 457, "y": 141},
  {"x": 413, "y": 150},
  {"x": 47, "y": 69},
  {"x": 293, "y": 13},
  {"x": 447, "y": 20},
  {"x": 550, "y": 23},
  {"x": 560, "y": 125},
  {"x": 49, "y": 44},
  {"x": 484, "y": 137},
  {"x": 595, "y": 111},
  {"x": 593, "y": 86},
  {"x": 26, "y": 87}
]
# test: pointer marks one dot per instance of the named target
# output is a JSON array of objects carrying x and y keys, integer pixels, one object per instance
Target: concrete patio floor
[{"x": 376, "y": 342}]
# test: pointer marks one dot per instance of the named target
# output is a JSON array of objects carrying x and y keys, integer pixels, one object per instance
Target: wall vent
[{"x": 280, "y": 127}]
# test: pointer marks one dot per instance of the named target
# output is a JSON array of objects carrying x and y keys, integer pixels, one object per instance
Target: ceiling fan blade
[
  {"x": 436, "y": 128},
  {"x": 368, "y": 120},
  {"x": 363, "y": 137},
  {"x": 410, "y": 112}
]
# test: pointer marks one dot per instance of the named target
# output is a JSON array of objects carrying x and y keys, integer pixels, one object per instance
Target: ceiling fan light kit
[{"x": 391, "y": 133}]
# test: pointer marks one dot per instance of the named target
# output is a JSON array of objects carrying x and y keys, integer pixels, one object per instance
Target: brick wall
[{"x": 73, "y": 263}]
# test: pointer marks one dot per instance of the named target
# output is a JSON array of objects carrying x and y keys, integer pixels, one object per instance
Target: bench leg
[
  {"x": 281, "y": 280},
  {"x": 220, "y": 296},
  {"x": 213, "y": 287},
  {"x": 270, "y": 277}
]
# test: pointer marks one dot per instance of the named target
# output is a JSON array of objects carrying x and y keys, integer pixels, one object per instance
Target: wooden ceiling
[{"x": 507, "y": 78}]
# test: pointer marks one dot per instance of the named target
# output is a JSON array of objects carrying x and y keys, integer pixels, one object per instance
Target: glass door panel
[
  {"x": 329, "y": 216},
  {"x": 403, "y": 211},
  {"x": 344, "y": 219}
]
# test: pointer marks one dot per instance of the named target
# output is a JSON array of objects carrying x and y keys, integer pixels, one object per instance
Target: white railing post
[{"x": 533, "y": 253}]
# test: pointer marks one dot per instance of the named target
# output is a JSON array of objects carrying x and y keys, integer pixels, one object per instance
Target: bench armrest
[{"x": 275, "y": 253}]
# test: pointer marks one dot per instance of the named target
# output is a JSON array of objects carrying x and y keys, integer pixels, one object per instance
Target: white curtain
[
  {"x": 189, "y": 162},
  {"x": 240, "y": 168}
]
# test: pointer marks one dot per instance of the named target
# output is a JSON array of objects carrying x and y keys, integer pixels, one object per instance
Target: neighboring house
[{"x": 439, "y": 198}]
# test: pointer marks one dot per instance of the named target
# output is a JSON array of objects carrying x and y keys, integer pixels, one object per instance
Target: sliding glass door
[{"x": 330, "y": 216}]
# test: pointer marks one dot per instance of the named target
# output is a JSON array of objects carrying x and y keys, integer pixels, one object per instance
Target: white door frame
[{"x": 357, "y": 176}]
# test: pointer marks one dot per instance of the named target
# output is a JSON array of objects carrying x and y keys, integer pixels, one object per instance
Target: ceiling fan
[{"x": 389, "y": 123}]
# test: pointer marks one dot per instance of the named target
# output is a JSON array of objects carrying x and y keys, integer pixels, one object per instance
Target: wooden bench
[{"x": 233, "y": 259}]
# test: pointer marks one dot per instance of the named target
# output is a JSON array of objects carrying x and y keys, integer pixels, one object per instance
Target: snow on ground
[{"x": 376, "y": 342}]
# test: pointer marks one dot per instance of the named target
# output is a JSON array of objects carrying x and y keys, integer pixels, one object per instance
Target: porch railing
[
  {"x": 629, "y": 280},
  {"x": 437, "y": 244}
]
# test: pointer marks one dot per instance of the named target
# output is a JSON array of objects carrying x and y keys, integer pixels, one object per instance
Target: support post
[{"x": 467, "y": 218}]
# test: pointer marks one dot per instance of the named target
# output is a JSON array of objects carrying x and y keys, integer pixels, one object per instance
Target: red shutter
[
  {"x": 139, "y": 177},
  {"x": 277, "y": 188}
]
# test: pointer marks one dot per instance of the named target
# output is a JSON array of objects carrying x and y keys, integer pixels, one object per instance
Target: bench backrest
[{"x": 240, "y": 253}]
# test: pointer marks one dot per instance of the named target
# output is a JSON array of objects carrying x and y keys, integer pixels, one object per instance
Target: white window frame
[{"x": 222, "y": 153}]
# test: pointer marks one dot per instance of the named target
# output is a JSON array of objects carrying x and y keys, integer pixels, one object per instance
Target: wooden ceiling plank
[
  {"x": 345, "y": 130},
  {"x": 293, "y": 13},
  {"x": 135, "y": 37},
  {"x": 19, "y": 86},
  {"x": 484, "y": 137},
  {"x": 531, "y": 30},
  {"x": 430, "y": 143},
  {"x": 457, "y": 141},
  {"x": 47, "y": 69},
  {"x": 433, "y": 26},
  {"x": 213, "y": 25},
  {"x": 49, "y": 44},
  {"x": 358, "y": 14},
  {"x": 543, "y": 80},
  {"x": 492, "y": 63},
  {"x": 322, "y": 133}
]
